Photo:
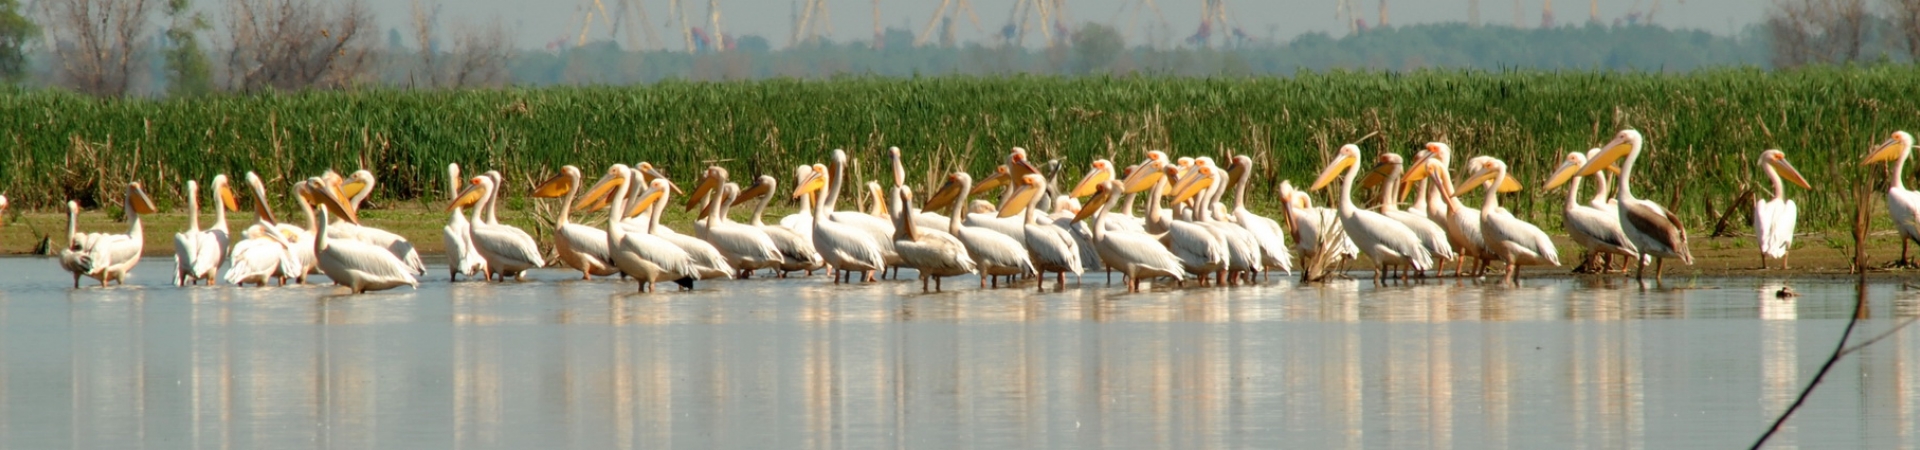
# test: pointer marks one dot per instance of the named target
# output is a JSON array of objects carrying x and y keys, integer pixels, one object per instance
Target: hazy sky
[{"x": 538, "y": 22}]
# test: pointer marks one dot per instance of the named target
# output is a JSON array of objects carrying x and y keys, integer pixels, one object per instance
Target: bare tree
[
  {"x": 1905, "y": 16},
  {"x": 1817, "y": 31},
  {"x": 294, "y": 44},
  {"x": 98, "y": 42},
  {"x": 477, "y": 57}
]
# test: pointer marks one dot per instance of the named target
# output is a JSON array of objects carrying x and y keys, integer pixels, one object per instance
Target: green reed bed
[{"x": 1704, "y": 129}]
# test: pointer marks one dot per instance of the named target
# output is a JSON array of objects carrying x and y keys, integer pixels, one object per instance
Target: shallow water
[{"x": 801, "y": 363}]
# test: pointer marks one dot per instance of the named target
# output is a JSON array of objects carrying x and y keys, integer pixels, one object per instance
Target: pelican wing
[
  {"x": 255, "y": 260},
  {"x": 1904, "y": 207},
  {"x": 586, "y": 243},
  {"x": 1599, "y": 226},
  {"x": 1656, "y": 223},
  {"x": 1142, "y": 251},
  {"x": 936, "y": 253},
  {"x": 509, "y": 245},
  {"x": 1273, "y": 247},
  {"x": 796, "y": 252},
  {"x": 847, "y": 248},
  {"x": 364, "y": 266},
  {"x": 995, "y": 253},
  {"x": 1385, "y": 240},
  {"x": 1052, "y": 248},
  {"x": 1523, "y": 241}
]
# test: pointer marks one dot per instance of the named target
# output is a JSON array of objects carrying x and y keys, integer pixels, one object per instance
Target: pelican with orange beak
[
  {"x": 1511, "y": 240},
  {"x": 1654, "y": 231},
  {"x": 1902, "y": 204},
  {"x": 1385, "y": 240},
  {"x": 1773, "y": 219}
]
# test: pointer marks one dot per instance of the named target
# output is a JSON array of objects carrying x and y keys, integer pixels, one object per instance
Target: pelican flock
[{"x": 1013, "y": 227}]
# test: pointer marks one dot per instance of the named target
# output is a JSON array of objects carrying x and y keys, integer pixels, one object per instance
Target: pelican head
[
  {"x": 1384, "y": 166},
  {"x": 1239, "y": 169},
  {"x": 762, "y": 186},
  {"x": 1894, "y": 148},
  {"x": 602, "y": 192},
  {"x": 221, "y": 189},
  {"x": 560, "y": 184},
  {"x": 1102, "y": 195},
  {"x": 1568, "y": 166},
  {"x": 138, "y": 201},
  {"x": 1019, "y": 165},
  {"x": 1199, "y": 181},
  {"x": 316, "y": 187},
  {"x": 1440, "y": 151},
  {"x": 948, "y": 192},
  {"x": 1627, "y": 142},
  {"x": 712, "y": 179},
  {"x": 356, "y": 183},
  {"x": 259, "y": 198},
  {"x": 1347, "y": 156},
  {"x": 1002, "y": 176},
  {"x": 656, "y": 190},
  {"x": 1146, "y": 175},
  {"x": 475, "y": 191},
  {"x": 813, "y": 179},
  {"x": 1778, "y": 161},
  {"x": 1101, "y": 172},
  {"x": 1482, "y": 170},
  {"x": 1025, "y": 191},
  {"x": 646, "y": 171}
]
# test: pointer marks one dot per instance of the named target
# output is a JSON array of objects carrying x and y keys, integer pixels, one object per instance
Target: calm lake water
[{"x": 801, "y": 363}]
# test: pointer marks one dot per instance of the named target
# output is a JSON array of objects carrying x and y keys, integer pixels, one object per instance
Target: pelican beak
[
  {"x": 468, "y": 197},
  {"x": 814, "y": 182},
  {"x": 707, "y": 185},
  {"x": 1236, "y": 171},
  {"x": 331, "y": 200},
  {"x": 945, "y": 196},
  {"x": 1091, "y": 182},
  {"x": 1021, "y": 167},
  {"x": 1510, "y": 184},
  {"x": 600, "y": 194},
  {"x": 1787, "y": 171},
  {"x": 1888, "y": 150},
  {"x": 554, "y": 187},
  {"x": 1381, "y": 170},
  {"x": 1001, "y": 176},
  {"x": 1480, "y": 176},
  {"x": 139, "y": 202},
  {"x": 227, "y": 198},
  {"x": 1563, "y": 174},
  {"x": 1095, "y": 204},
  {"x": 655, "y": 173},
  {"x": 352, "y": 188},
  {"x": 758, "y": 189},
  {"x": 647, "y": 199},
  {"x": 1333, "y": 170},
  {"x": 1021, "y": 199},
  {"x": 1193, "y": 185},
  {"x": 1144, "y": 177},
  {"x": 1615, "y": 150}
]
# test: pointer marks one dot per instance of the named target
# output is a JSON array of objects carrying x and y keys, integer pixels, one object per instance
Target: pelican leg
[
  {"x": 1659, "y": 268},
  {"x": 870, "y": 278},
  {"x": 1783, "y": 262},
  {"x": 923, "y": 284},
  {"x": 1060, "y": 282}
]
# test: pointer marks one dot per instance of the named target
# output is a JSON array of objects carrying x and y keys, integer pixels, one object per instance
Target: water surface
[{"x": 801, "y": 363}]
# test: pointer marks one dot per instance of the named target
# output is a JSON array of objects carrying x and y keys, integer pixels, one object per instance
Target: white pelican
[
  {"x": 928, "y": 220},
  {"x": 1196, "y": 190},
  {"x": 354, "y": 191},
  {"x": 1265, "y": 231},
  {"x": 359, "y": 266},
  {"x": 299, "y": 240},
  {"x": 981, "y": 217},
  {"x": 260, "y": 256},
  {"x": 1462, "y": 224},
  {"x": 1902, "y": 204},
  {"x": 933, "y": 253},
  {"x": 995, "y": 254},
  {"x": 645, "y": 257},
  {"x": 77, "y": 257},
  {"x": 1050, "y": 247},
  {"x": 708, "y": 262},
  {"x": 1245, "y": 249},
  {"x": 1773, "y": 220},
  {"x": 1512, "y": 240},
  {"x": 197, "y": 254},
  {"x": 746, "y": 248},
  {"x": 1590, "y": 226},
  {"x": 1312, "y": 227},
  {"x": 1201, "y": 252},
  {"x": 111, "y": 256},
  {"x": 845, "y": 247},
  {"x": 509, "y": 251},
  {"x": 1385, "y": 240},
  {"x": 462, "y": 258},
  {"x": 1135, "y": 254},
  {"x": 879, "y": 231},
  {"x": 578, "y": 246},
  {"x": 1387, "y": 170},
  {"x": 796, "y": 250},
  {"x": 1065, "y": 208},
  {"x": 1654, "y": 231}
]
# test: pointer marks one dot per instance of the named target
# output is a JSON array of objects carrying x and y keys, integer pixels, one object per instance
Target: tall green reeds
[{"x": 1704, "y": 129}]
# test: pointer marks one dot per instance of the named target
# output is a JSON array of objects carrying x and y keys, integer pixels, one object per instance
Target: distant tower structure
[
  {"x": 878, "y": 35},
  {"x": 1473, "y": 13},
  {"x": 1593, "y": 11},
  {"x": 942, "y": 20},
  {"x": 1343, "y": 11},
  {"x": 1383, "y": 12},
  {"x": 813, "y": 22},
  {"x": 1546, "y": 15}
]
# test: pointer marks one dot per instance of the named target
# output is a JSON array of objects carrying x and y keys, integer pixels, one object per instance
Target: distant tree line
[{"x": 170, "y": 47}]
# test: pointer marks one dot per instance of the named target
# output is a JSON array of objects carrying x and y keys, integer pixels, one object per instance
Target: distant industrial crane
[
  {"x": 1343, "y": 11},
  {"x": 812, "y": 22},
  {"x": 1546, "y": 15},
  {"x": 626, "y": 14},
  {"x": 943, "y": 20},
  {"x": 1029, "y": 11},
  {"x": 1213, "y": 14}
]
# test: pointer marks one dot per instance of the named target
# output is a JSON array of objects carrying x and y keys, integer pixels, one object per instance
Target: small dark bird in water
[{"x": 1786, "y": 292}]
